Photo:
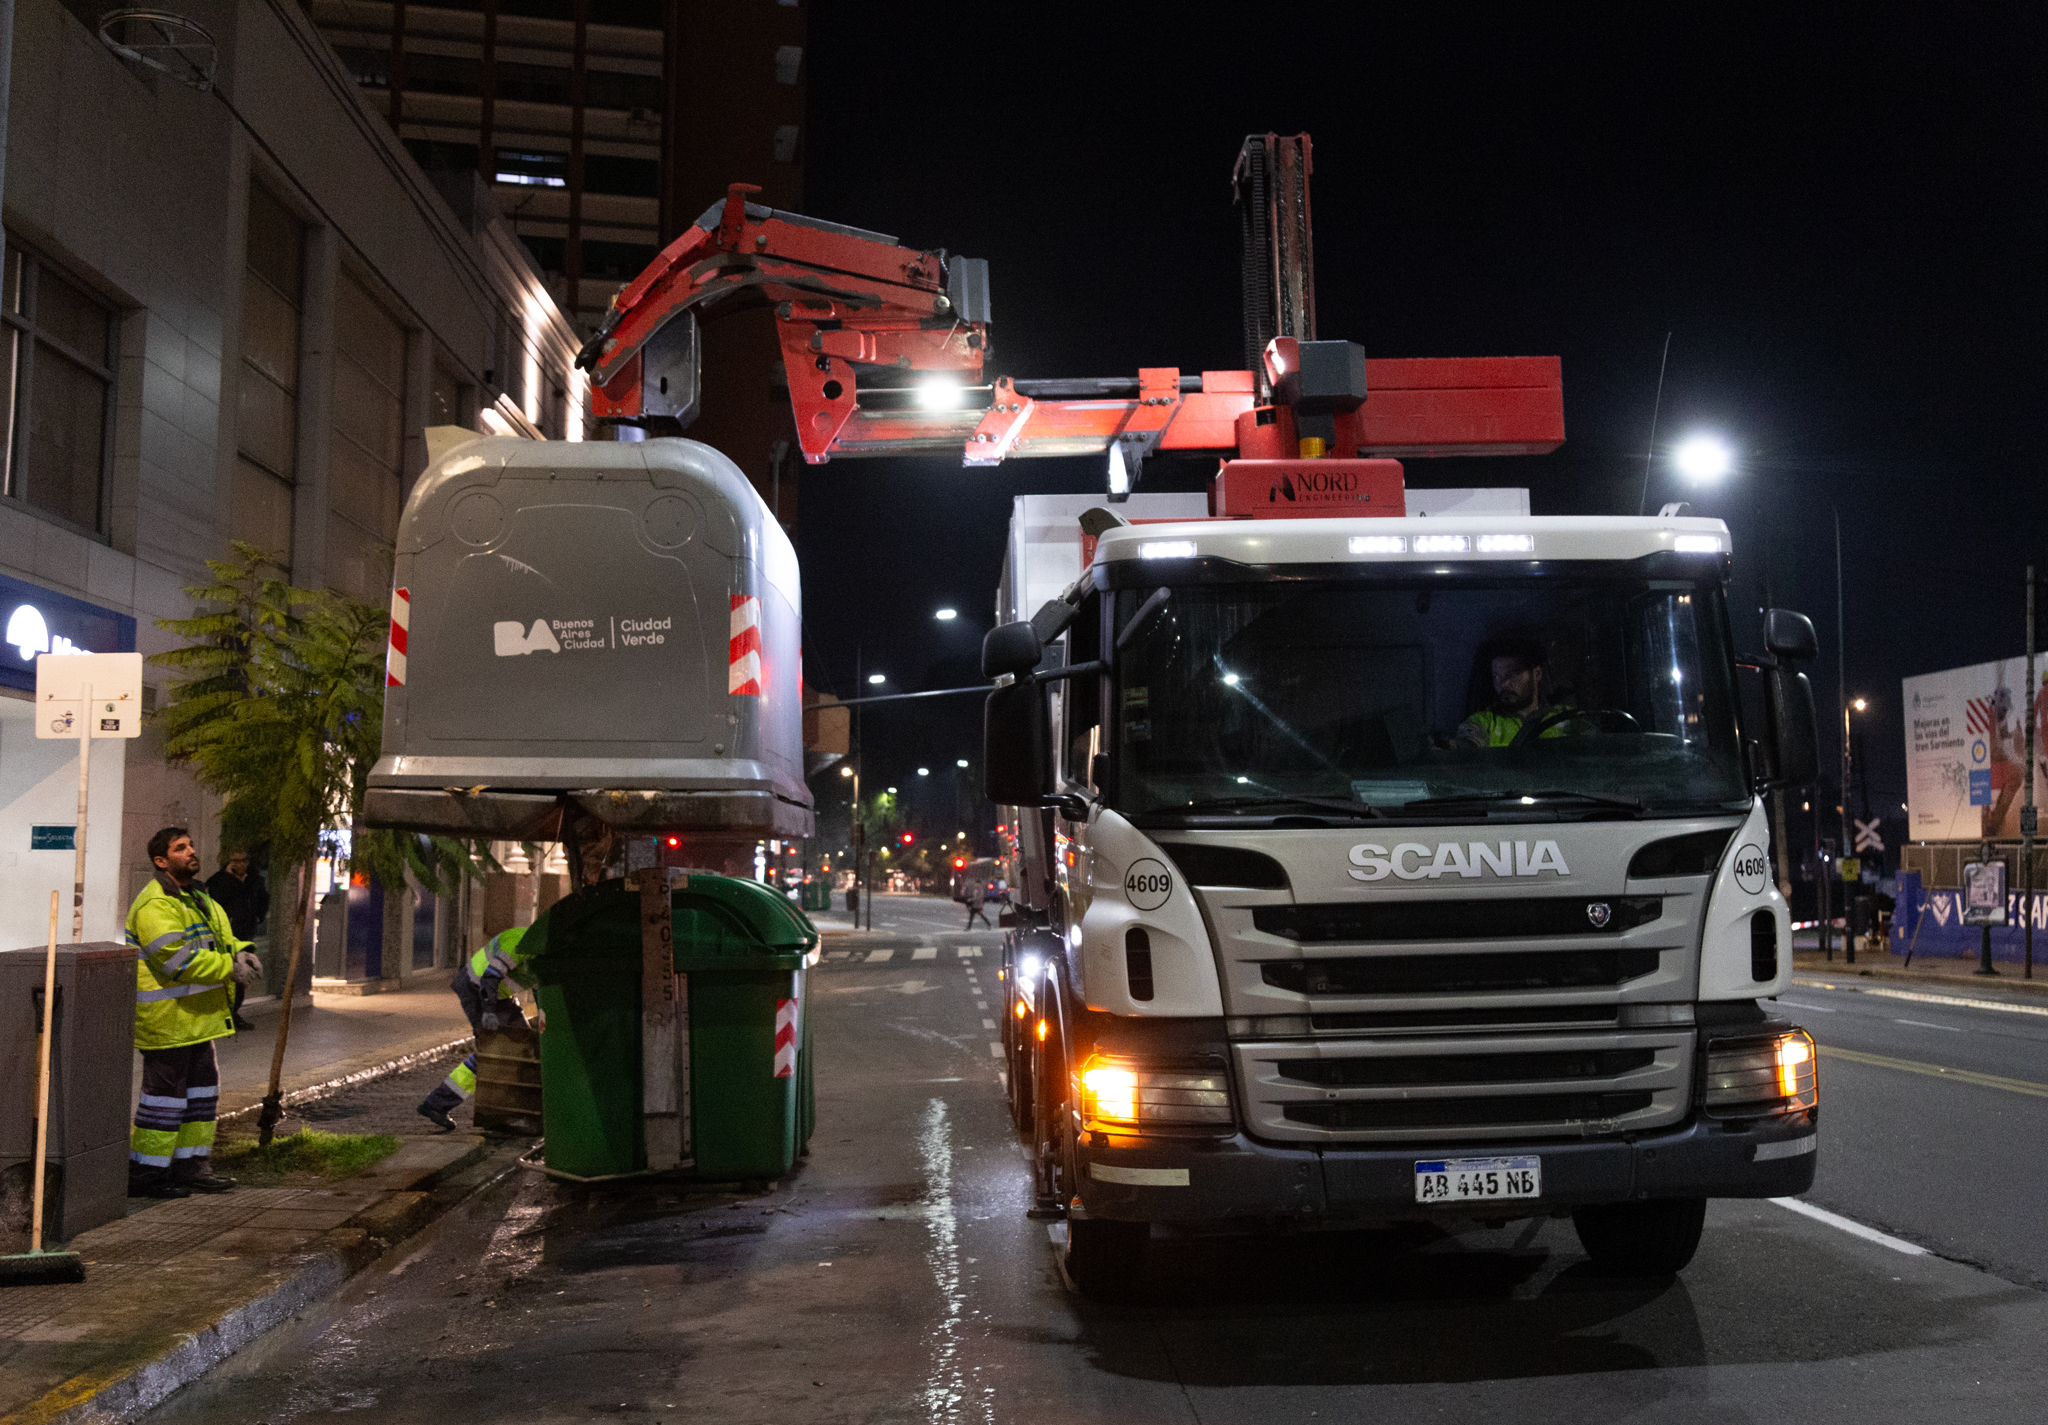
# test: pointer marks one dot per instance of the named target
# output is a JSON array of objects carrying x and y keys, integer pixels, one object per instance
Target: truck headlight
[
  {"x": 1128, "y": 1097},
  {"x": 1747, "y": 1078}
]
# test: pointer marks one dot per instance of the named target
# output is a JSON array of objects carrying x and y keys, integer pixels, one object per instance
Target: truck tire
[
  {"x": 1107, "y": 1259},
  {"x": 1642, "y": 1239}
]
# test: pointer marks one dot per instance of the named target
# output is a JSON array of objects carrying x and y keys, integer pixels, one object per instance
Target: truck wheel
[
  {"x": 1107, "y": 1259},
  {"x": 1642, "y": 1239}
]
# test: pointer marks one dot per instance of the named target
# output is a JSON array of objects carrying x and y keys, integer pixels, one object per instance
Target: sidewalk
[
  {"x": 1948, "y": 973},
  {"x": 176, "y": 1286},
  {"x": 340, "y": 1039}
]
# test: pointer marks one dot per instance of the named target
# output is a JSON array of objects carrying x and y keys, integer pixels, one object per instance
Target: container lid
[{"x": 723, "y": 916}]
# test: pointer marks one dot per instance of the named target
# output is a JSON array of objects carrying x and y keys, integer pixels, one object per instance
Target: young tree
[{"x": 280, "y": 711}]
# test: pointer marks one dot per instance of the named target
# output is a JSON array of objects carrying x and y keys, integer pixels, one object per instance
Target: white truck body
[{"x": 1296, "y": 945}]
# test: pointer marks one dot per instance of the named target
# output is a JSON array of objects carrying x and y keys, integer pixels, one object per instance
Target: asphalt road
[
  {"x": 1934, "y": 1118},
  {"x": 893, "y": 1277}
]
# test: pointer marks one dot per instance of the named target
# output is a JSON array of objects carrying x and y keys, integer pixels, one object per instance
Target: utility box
[
  {"x": 608, "y": 625},
  {"x": 92, "y": 1059}
]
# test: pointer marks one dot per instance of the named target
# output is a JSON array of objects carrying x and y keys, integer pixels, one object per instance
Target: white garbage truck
[{"x": 1375, "y": 870}]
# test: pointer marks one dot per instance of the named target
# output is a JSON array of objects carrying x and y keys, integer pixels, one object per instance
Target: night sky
[{"x": 1838, "y": 219}]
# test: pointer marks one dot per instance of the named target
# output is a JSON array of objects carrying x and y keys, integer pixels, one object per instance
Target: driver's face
[{"x": 1515, "y": 683}]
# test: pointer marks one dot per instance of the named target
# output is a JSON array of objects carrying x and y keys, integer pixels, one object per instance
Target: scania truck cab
[{"x": 1370, "y": 871}]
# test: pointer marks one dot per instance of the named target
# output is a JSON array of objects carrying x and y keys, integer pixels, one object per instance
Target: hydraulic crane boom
[{"x": 860, "y": 317}]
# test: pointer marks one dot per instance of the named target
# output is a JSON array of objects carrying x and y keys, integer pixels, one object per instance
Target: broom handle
[{"x": 35, "y": 1231}]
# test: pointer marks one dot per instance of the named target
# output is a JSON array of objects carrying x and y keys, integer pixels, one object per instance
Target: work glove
[
  {"x": 491, "y": 1022},
  {"x": 248, "y": 969}
]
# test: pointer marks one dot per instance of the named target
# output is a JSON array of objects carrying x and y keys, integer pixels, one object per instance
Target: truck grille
[
  {"x": 1425, "y": 1090},
  {"x": 1461, "y": 974},
  {"x": 1519, "y": 919}
]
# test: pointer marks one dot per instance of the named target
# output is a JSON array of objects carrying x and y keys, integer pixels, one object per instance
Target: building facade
[{"x": 229, "y": 312}]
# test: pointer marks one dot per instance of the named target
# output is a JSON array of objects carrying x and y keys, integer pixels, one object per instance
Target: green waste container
[
  {"x": 817, "y": 894},
  {"x": 746, "y": 949}
]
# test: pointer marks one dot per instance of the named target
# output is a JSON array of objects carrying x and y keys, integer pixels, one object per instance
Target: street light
[
  {"x": 876, "y": 679},
  {"x": 924, "y": 771},
  {"x": 846, "y": 771},
  {"x": 946, "y": 615},
  {"x": 1702, "y": 458},
  {"x": 962, "y": 762}
]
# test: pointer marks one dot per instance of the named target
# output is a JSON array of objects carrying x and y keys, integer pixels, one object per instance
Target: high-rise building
[{"x": 603, "y": 129}]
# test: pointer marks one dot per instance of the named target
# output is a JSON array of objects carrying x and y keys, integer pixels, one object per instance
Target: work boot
[
  {"x": 153, "y": 1182},
  {"x": 243, "y": 1026},
  {"x": 206, "y": 1180},
  {"x": 437, "y": 1115}
]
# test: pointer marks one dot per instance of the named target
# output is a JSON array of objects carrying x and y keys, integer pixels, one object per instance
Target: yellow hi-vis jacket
[{"x": 185, "y": 962}]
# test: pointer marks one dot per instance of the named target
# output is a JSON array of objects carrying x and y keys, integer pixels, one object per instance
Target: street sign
[
  {"x": 113, "y": 681},
  {"x": 1984, "y": 893},
  {"x": 79, "y": 697},
  {"x": 1851, "y": 868},
  {"x": 1868, "y": 837}
]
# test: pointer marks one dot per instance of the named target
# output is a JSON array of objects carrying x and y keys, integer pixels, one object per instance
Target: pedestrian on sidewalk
[
  {"x": 186, "y": 956},
  {"x": 488, "y": 985},
  {"x": 976, "y": 896},
  {"x": 241, "y": 893}
]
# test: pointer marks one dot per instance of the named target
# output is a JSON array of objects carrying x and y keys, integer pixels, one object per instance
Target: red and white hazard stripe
[
  {"x": 743, "y": 669},
  {"x": 401, "y": 619},
  {"x": 785, "y": 1038}
]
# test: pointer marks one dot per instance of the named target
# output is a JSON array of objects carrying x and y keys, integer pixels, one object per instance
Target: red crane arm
[{"x": 844, "y": 298}]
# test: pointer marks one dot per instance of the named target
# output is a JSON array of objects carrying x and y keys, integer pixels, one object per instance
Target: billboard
[{"x": 1966, "y": 743}]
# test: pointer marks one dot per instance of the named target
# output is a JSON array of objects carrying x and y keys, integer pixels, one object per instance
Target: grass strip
[{"x": 307, "y": 1153}]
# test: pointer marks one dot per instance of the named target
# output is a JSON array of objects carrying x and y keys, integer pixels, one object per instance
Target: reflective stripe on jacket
[
  {"x": 184, "y": 965},
  {"x": 1489, "y": 728},
  {"x": 499, "y": 967}
]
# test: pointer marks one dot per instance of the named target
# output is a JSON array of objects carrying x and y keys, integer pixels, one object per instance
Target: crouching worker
[
  {"x": 187, "y": 960},
  {"x": 488, "y": 986}
]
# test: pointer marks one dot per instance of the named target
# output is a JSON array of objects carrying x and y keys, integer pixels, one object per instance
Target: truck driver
[{"x": 1521, "y": 697}]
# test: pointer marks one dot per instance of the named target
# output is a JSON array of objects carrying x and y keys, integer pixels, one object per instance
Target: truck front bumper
[{"x": 1190, "y": 1180}]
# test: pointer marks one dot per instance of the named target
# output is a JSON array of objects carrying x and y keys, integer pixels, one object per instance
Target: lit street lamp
[{"x": 1703, "y": 458}]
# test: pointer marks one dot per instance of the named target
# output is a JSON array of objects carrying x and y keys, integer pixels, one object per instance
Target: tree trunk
[{"x": 296, "y": 910}]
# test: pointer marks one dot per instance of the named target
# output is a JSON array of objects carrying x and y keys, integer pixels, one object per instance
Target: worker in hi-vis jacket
[
  {"x": 488, "y": 986},
  {"x": 187, "y": 957}
]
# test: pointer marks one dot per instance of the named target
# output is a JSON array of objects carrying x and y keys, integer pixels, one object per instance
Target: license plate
[{"x": 1478, "y": 1179}]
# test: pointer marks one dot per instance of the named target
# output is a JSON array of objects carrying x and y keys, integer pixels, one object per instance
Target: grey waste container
[{"x": 92, "y": 1061}]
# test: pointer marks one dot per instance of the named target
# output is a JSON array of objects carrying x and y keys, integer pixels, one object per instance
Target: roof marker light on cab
[
  {"x": 1507, "y": 544},
  {"x": 1379, "y": 544},
  {"x": 1697, "y": 543},
  {"x": 1442, "y": 543},
  {"x": 1167, "y": 549}
]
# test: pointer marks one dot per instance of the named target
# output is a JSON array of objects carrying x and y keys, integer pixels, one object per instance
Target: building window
[
  {"x": 267, "y": 411},
  {"x": 366, "y": 453},
  {"x": 57, "y": 358}
]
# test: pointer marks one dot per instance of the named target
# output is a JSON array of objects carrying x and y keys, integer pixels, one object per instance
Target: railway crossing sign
[{"x": 1868, "y": 837}]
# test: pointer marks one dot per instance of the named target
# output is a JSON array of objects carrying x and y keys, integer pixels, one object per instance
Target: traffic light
[
  {"x": 675, "y": 841},
  {"x": 908, "y": 838},
  {"x": 959, "y": 863}
]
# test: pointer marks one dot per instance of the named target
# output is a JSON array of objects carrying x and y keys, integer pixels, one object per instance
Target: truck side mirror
[
  {"x": 1013, "y": 648},
  {"x": 1788, "y": 705},
  {"x": 1790, "y": 635},
  {"x": 1016, "y": 742}
]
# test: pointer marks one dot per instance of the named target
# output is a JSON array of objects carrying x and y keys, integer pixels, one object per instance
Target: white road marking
[
  {"x": 981, "y": 1004},
  {"x": 924, "y": 952},
  {"x": 876, "y": 957},
  {"x": 995, "y": 1051},
  {"x": 1800, "y": 1004},
  {"x": 970, "y": 952},
  {"x": 988, "y": 1024},
  {"x": 1918, "y": 998},
  {"x": 1923, "y": 1024},
  {"x": 840, "y": 955},
  {"x": 1854, "y": 1229}
]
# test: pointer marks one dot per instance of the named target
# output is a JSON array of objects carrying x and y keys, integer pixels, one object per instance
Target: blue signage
[
  {"x": 52, "y": 838},
  {"x": 37, "y": 620}
]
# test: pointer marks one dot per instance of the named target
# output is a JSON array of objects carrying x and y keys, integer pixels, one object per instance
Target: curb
[
  {"x": 122, "y": 1391},
  {"x": 313, "y": 1093},
  {"x": 2007, "y": 981}
]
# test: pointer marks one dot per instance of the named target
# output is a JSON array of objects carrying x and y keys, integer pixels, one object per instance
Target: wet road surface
[{"x": 893, "y": 1277}]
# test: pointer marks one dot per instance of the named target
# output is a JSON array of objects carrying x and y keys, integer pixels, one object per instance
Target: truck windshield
[{"x": 1596, "y": 693}]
